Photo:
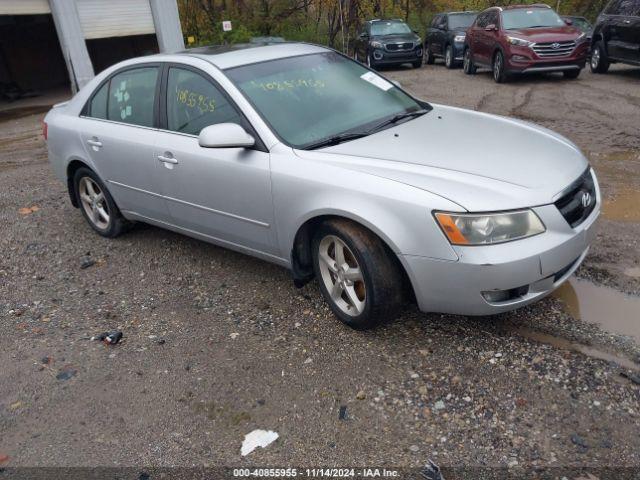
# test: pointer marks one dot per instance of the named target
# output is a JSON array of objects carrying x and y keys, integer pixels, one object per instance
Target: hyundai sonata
[{"x": 303, "y": 157}]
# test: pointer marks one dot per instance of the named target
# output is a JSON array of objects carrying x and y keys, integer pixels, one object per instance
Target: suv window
[
  {"x": 493, "y": 18},
  {"x": 613, "y": 7},
  {"x": 436, "y": 21},
  {"x": 482, "y": 20},
  {"x": 193, "y": 102}
]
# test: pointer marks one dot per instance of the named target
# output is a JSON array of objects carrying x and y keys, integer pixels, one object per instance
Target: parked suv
[
  {"x": 524, "y": 39},
  {"x": 388, "y": 42},
  {"x": 445, "y": 37},
  {"x": 616, "y": 36}
]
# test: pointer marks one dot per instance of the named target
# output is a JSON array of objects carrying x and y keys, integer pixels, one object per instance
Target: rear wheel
[
  {"x": 97, "y": 205},
  {"x": 469, "y": 67},
  {"x": 599, "y": 61},
  {"x": 571, "y": 74},
  {"x": 358, "y": 275},
  {"x": 428, "y": 56},
  {"x": 499, "y": 72},
  {"x": 449, "y": 61},
  {"x": 417, "y": 63}
]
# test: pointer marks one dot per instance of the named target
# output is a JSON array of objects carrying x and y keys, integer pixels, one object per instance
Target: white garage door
[
  {"x": 115, "y": 18},
  {"x": 24, "y": 7}
]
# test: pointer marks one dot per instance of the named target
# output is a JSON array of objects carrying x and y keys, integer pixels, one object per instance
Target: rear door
[
  {"x": 628, "y": 26},
  {"x": 119, "y": 134},
  {"x": 223, "y": 193}
]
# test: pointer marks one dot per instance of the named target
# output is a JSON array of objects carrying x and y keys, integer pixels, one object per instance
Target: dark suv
[
  {"x": 616, "y": 36},
  {"x": 445, "y": 37},
  {"x": 523, "y": 39},
  {"x": 388, "y": 42}
]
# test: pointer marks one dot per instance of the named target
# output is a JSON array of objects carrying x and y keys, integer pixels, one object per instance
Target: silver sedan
[{"x": 300, "y": 156}]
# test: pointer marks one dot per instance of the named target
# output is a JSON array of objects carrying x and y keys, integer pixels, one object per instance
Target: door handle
[
  {"x": 627, "y": 22},
  {"x": 95, "y": 143},
  {"x": 164, "y": 159}
]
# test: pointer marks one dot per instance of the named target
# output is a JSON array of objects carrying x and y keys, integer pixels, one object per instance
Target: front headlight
[
  {"x": 489, "y": 228},
  {"x": 460, "y": 38},
  {"x": 519, "y": 42},
  {"x": 376, "y": 44}
]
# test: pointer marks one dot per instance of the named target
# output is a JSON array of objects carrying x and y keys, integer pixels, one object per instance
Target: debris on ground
[
  {"x": 3, "y": 458},
  {"x": 361, "y": 395},
  {"x": 66, "y": 374},
  {"x": 343, "y": 412},
  {"x": 579, "y": 441},
  {"x": 257, "y": 438},
  {"x": 634, "y": 377},
  {"x": 16, "y": 405},
  {"x": 431, "y": 471},
  {"x": 86, "y": 262},
  {"x": 109, "y": 338},
  {"x": 28, "y": 210}
]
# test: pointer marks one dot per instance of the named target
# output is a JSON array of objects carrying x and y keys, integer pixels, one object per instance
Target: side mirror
[
  {"x": 225, "y": 135},
  {"x": 490, "y": 28}
]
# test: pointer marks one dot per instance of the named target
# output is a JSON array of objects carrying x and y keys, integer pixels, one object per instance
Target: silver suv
[{"x": 302, "y": 157}]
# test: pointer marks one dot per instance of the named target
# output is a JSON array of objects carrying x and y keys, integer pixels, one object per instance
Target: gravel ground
[{"x": 218, "y": 344}]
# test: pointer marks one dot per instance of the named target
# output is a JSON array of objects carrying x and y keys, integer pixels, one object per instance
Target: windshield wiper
[
  {"x": 335, "y": 140},
  {"x": 397, "y": 118}
]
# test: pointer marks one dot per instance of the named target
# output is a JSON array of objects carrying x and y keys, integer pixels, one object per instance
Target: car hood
[
  {"x": 405, "y": 37},
  {"x": 480, "y": 161},
  {"x": 550, "y": 34}
]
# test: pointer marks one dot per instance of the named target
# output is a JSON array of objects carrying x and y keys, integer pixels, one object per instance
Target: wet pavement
[{"x": 217, "y": 345}]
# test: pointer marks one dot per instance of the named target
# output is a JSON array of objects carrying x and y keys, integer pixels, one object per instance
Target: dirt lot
[{"x": 218, "y": 344}]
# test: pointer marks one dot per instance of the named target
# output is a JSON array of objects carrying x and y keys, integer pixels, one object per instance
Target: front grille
[
  {"x": 399, "y": 47},
  {"x": 554, "y": 49},
  {"x": 579, "y": 200}
]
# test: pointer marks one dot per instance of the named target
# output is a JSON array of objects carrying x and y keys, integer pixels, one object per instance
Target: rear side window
[
  {"x": 194, "y": 102},
  {"x": 98, "y": 108},
  {"x": 132, "y": 96},
  {"x": 629, "y": 8}
]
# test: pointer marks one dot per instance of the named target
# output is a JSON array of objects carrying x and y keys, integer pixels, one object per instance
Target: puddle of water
[
  {"x": 565, "y": 344},
  {"x": 613, "y": 311},
  {"x": 624, "y": 207}
]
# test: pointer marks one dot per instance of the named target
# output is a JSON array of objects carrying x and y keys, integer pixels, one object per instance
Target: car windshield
[
  {"x": 389, "y": 28},
  {"x": 312, "y": 98},
  {"x": 530, "y": 18},
  {"x": 582, "y": 24},
  {"x": 461, "y": 20}
]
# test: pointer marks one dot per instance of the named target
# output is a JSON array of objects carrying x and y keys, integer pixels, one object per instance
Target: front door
[{"x": 223, "y": 193}]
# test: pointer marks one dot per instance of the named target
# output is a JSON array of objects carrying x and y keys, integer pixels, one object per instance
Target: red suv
[{"x": 524, "y": 39}]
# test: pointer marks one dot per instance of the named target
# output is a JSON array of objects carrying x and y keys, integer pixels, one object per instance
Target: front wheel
[
  {"x": 428, "y": 56},
  {"x": 599, "y": 62},
  {"x": 449, "y": 61},
  {"x": 370, "y": 62},
  {"x": 358, "y": 275},
  {"x": 469, "y": 67},
  {"x": 499, "y": 71},
  {"x": 417, "y": 63}
]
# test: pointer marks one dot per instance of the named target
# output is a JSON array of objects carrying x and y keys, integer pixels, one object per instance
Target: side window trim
[
  {"x": 86, "y": 110},
  {"x": 163, "y": 123}
]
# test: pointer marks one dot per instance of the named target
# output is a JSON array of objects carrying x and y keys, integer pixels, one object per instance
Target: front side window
[
  {"x": 389, "y": 28},
  {"x": 530, "y": 18},
  {"x": 132, "y": 96},
  {"x": 630, "y": 8},
  {"x": 613, "y": 8},
  {"x": 482, "y": 20},
  {"x": 193, "y": 102},
  {"x": 310, "y": 98}
]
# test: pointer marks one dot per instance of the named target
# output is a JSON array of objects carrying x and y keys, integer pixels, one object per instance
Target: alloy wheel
[
  {"x": 342, "y": 275},
  {"x": 595, "y": 58},
  {"x": 447, "y": 57},
  {"x": 94, "y": 203},
  {"x": 497, "y": 67}
]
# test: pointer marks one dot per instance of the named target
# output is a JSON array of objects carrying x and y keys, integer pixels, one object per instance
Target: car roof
[
  {"x": 518, "y": 7},
  {"x": 468, "y": 12},
  {"x": 236, "y": 55}
]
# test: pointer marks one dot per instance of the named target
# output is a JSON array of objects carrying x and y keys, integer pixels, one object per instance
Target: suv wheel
[
  {"x": 370, "y": 62},
  {"x": 358, "y": 275},
  {"x": 499, "y": 73},
  {"x": 417, "y": 63},
  {"x": 467, "y": 63},
  {"x": 599, "y": 62},
  {"x": 97, "y": 205},
  {"x": 449, "y": 61},
  {"x": 428, "y": 56}
]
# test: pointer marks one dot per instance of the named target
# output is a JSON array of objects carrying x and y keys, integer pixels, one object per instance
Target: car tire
[
  {"x": 599, "y": 62},
  {"x": 428, "y": 56},
  {"x": 469, "y": 67},
  {"x": 370, "y": 63},
  {"x": 97, "y": 205},
  {"x": 571, "y": 74},
  {"x": 367, "y": 289},
  {"x": 449, "y": 61},
  {"x": 417, "y": 63},
  {"x": 498, "y": 68}
]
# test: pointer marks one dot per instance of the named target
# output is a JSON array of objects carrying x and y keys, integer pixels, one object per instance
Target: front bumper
[
  {"x": 525, "y": 60},
  {"x": 533, "y": 267},
  {"x": 383, "y": 57}
]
